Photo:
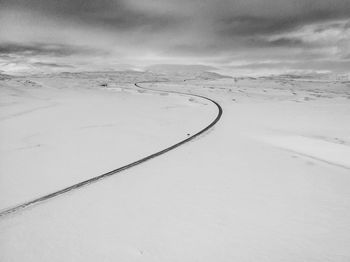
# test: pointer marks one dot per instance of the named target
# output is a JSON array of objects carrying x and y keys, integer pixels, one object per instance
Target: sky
[{"x": 235, "y": 35}]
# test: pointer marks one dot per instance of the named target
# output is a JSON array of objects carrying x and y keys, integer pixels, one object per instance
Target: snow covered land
[{"x": 269, "y": 182}]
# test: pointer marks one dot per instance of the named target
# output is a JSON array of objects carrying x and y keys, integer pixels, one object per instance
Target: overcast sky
[{"x": 309, "y": 35}]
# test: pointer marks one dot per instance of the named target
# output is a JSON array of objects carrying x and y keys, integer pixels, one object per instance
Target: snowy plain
[{"x": 268, "y": 183}]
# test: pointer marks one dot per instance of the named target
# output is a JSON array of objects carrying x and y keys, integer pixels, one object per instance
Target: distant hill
[
  {"x": 186, "y": 71},
  {"x": 5, "y": 77},
  {"x": 167, "y": 68}
]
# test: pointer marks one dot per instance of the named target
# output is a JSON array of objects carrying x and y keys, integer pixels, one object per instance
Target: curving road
[{"x": 120, "y": 169}]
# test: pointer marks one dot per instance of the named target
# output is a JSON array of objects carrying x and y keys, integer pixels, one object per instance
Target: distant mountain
[
  {"x": 166, "y": 68},
  {"x": 313, "y": 76},
  {"x": 211, "y": 75},
  {"x": 5, "y": 77},
  {"x": 186, "y": 71}
]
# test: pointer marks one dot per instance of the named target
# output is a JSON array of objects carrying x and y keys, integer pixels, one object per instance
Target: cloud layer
[{"x": 233, "y": 34}]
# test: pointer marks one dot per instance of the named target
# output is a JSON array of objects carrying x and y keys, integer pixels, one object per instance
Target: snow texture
[{"x": 269, "y": 183}]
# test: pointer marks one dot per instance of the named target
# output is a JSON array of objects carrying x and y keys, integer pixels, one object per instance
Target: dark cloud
[
  {"x": 114, "y": 14},
  {"x": 261, "y": 25},
  {"x": 42, "y": 49},
  {"x": 55, "y": 65},
  {"x": 287, "y": 42},
  {"x": 279, "y": 42},
  {"x": 242, "y": 17},
  {"x": 251, "y": 25},
  {"x": 169, "y": 30},
  {"x": 64, "y": 7}
]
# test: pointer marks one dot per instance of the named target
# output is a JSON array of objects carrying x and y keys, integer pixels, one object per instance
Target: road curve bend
[{"x": 128, "y": 166}]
